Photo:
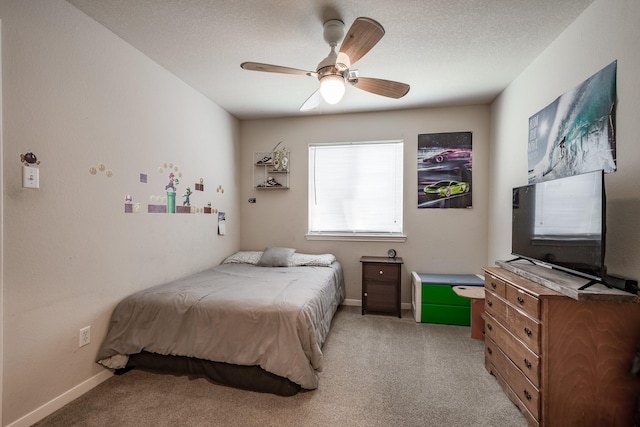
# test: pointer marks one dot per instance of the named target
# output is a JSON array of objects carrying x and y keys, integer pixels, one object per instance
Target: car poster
[
  {"x": 444, "y": 170},
  {"x": 576, "y": 132}
]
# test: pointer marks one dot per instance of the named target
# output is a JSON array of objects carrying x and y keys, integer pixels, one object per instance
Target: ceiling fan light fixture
[{"x": 332, "y": 88}]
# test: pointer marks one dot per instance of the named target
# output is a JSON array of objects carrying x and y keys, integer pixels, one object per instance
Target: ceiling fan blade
[
  {"x": 361, "y": 37},
  {"x": 312, "y": 102},
  {"x": 257, "y": 66},
  {"x": 381, "y": 87}
]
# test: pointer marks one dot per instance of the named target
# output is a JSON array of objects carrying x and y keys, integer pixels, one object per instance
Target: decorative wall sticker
[
  {"x": 129, "y": 206},
  {"x": 157, "y": 204},
  {"x": 101, "y": 168},
  {"x": 200, "y": 186},
  {"x": 186, "y": 196}
]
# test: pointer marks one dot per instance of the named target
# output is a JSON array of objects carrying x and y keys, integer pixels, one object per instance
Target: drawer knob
[
  {"x": 527, "y": 331},
  {"x": 521, "y": 300},
  {"x": 489, "y": 350},
  {"x": 527, "y": 395},
  {"x": 490, "y": 303},
  {"x": 493, "y": 285},
  {"x": 527, "y": 363},
  {"x": 365, "y": 294},
  {"x": 489, "y": 327},
  {"x": 381, "y": 272}
]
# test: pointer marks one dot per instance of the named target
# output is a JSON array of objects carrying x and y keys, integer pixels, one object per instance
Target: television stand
[
  {"x": 593, "y": 282},
  {"x": 521, "y": 258}
]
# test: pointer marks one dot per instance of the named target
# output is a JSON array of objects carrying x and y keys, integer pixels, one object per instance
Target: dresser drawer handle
[
  {"x": 527, "y": 331},
  {"x": 493, "y": 285},
  {"x": 527, "y": 395},
  {"x": 489, "y": 327},
  {"x": 489, "y": 350},
  {"x": 490, "y": 303},
  {"x": 521, "y": 300},
  {"x": 527, "y": 363},
  {"x": 381, "y": 272}
]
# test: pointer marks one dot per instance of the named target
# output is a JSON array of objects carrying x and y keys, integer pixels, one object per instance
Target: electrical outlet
[{"x": 85, "y": 336}]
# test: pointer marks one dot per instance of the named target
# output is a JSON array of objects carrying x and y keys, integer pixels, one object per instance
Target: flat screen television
[{"x": 561, "y": 223}]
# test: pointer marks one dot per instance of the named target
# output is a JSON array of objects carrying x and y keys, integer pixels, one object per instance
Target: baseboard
[
  {"x": 57, "y": 403},
  {"x": 358, "y": 303}
]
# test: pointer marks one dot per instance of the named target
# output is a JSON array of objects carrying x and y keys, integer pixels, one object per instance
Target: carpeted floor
[{"x": 378, "y": 371}]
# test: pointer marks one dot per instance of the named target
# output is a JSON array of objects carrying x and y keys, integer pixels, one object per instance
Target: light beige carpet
[{"x": 378, "y": 371}]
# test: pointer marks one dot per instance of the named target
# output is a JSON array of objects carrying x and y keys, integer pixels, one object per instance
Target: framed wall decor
[{"x": 444, "y": 170}]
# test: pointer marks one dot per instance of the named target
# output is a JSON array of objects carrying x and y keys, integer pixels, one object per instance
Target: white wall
[
  {"x": 608, "y": 30},
  {"x": 439, "y": 240},
  {"x": 78, "y": 96}
]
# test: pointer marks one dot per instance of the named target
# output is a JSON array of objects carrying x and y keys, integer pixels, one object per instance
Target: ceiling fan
[{"x": 334, "y": 70}]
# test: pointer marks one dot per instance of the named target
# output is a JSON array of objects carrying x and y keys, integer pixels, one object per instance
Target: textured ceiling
[{"x": 451, "y": 52}]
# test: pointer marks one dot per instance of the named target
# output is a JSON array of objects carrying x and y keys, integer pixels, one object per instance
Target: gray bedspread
[{"x": 275, "y": 317}]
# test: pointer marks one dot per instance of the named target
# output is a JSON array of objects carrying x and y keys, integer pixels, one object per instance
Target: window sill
[{"x": 360, "y": 237}]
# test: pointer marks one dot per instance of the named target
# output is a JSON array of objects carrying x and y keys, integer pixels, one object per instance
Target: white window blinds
[{"x": 356, "y": 188}]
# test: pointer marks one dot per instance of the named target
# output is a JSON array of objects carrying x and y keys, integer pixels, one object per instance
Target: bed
[{"x": 257, "y": 321}]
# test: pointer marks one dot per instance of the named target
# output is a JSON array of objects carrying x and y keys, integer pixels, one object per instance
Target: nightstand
[{"x": 381, "y": 279}]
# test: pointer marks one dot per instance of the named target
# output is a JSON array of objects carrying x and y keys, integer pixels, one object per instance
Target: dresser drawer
[
  {"x": 495, "y": 306},
  {"x": 531, "y": 421},
  {"x": 525, "y": 302},
  {"x": 525, "y": 328},
  {"x": 495, "y": 285},
  {"x": 527, "y": 361},
  {"x": 380, "y": 272},
  {"x": 522, "y": 388}
]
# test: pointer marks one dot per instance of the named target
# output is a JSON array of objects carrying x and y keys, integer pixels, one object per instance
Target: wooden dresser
[{"x": 562, "y": 361}]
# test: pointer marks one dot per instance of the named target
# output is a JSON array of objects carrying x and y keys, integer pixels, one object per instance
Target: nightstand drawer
[{"x": 380, "y": 272}]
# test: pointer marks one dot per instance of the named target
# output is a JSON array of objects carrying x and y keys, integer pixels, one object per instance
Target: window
[{"x": 355, "y": 189}]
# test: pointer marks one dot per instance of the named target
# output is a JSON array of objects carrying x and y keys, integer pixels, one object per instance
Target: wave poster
[{"x": 576, "y": 132}]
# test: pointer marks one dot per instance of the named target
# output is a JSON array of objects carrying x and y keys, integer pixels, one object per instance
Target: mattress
[{"x": 276, "y": 318}]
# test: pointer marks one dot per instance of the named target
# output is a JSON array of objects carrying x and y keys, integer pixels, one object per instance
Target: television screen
[{"x": 562, "y": 223}]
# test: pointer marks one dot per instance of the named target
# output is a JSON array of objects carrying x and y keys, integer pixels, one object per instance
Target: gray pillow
[{"x": 276, "y": 257}]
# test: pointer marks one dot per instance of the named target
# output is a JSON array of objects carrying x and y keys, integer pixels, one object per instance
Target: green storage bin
[
  {"x": 434, "y": 300},
  {"x": 446, "y": 314},
  {"x": 442, "y": 294}
]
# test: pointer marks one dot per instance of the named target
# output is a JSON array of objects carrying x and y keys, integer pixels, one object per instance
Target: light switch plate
[{"x": 30, "y": 177}]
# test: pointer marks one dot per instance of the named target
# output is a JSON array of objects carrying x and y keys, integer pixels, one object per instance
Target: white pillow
[
  {"x": 244, "y": 257},
  {"x": 299, "y": 260}
]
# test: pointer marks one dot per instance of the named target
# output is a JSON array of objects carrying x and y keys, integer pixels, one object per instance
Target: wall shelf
[{"x": 271, "y": 170}]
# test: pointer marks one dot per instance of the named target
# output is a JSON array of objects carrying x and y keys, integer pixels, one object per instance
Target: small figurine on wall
[
  {"x": 29, "y": 159},
  {"x": 186, "y": 197}
]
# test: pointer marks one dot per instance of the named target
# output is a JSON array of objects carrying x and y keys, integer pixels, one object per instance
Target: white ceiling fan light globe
[{"x": 332, "y": 89}]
